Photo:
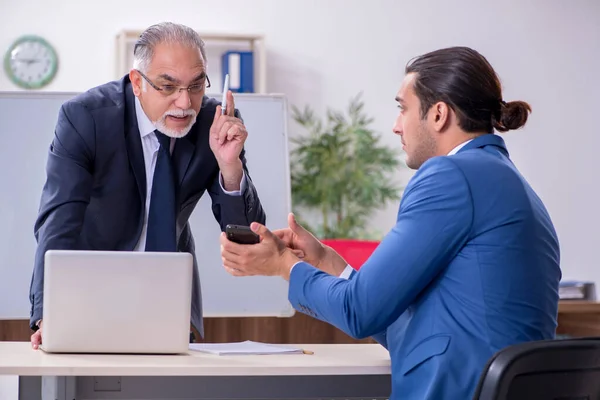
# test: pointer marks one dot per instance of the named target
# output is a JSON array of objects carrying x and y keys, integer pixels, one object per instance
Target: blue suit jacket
[
  {"x": 471, "y": 266},
  {"x": 95, "y": 191}
]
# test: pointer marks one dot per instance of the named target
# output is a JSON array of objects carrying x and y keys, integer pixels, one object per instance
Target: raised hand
[{"x": 227, "y": 137}]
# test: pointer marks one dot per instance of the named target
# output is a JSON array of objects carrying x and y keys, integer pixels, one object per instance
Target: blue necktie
[{"x": 161, "y": 234}]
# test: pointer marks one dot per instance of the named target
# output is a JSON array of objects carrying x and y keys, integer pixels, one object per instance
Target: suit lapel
[{"x": 134, "y": 145}]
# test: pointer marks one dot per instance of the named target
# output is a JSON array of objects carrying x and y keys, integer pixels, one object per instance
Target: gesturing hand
[
  {"x": 227, "y": 136},
  {"x": 309, "y": 248}
]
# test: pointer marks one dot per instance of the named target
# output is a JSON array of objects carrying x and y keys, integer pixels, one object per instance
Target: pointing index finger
[{"x": 230, "y": 104}]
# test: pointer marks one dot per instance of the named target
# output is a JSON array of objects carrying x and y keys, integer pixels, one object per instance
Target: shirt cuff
[
  {"x": 243, "y": 184},
  {"x": 347, "y": 272},
  {"x": 298, "y": 262},
  {"x": 344, "y": 275}
]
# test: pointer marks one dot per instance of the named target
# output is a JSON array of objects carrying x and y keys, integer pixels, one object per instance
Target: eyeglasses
[{"x": 168, "y": 90}]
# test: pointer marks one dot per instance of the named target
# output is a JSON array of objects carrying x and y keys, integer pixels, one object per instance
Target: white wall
[{"x": 547, "y": 52}]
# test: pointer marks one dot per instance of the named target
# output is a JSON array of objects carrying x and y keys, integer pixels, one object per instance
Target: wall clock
[{"x": 31, "y": 62}]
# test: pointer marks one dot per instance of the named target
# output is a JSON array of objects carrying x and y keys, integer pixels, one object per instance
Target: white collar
[
  {"x": 145, "y": 126},
  {"x": 457, "y": 148}
]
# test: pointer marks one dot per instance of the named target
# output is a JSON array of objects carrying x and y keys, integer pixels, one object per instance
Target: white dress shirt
[
  {"x": 348, "y": 270},
  {"x": 150, "y": 146}
]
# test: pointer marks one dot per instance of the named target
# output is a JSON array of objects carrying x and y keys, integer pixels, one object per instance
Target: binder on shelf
[{"x": 240, "y": 67}]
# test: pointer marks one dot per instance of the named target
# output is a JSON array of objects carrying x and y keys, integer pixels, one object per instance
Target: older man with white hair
[{"x": 131, "y": 159}]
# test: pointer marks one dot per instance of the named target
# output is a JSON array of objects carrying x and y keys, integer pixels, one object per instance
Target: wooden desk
[
  {"x": 334, "y": 371},
  {"x": 578, "y": 318}
]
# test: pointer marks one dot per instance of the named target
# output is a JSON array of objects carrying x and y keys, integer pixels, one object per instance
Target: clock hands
[{"x": 28, "y": 61}]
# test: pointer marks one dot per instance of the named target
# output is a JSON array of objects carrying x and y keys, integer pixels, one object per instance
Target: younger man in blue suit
[{"x": 472, "y": 263}]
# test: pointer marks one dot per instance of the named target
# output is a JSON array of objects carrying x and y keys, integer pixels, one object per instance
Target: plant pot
[{"x": 355, "y": 252}]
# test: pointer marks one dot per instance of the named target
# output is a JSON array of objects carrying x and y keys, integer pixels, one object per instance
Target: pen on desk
[
  {"x": 225, "y": 90},
  {"x": 307, "y": 352}
]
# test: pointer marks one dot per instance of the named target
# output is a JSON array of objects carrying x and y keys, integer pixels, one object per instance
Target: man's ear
[
  {"x": 136, "y": 82},
  {"x": 440, "y": 115}
]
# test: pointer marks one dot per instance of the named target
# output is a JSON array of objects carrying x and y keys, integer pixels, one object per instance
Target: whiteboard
[{"x": 27, "y": 122}]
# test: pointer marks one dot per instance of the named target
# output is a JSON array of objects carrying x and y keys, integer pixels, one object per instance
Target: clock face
[{"x": 31, "y": 62}]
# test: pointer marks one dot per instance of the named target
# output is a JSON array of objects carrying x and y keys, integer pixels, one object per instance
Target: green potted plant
[{"x": 341, "y": 174}]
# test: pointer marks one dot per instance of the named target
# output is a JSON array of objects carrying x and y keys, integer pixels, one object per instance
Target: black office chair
[{"x": 565, "y": 369}]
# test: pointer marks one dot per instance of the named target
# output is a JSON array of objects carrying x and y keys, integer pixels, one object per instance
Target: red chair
[{"x": 355, "y": 252}]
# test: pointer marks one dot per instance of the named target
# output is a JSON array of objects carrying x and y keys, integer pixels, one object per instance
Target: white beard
[{"x": 162, "y": 127}]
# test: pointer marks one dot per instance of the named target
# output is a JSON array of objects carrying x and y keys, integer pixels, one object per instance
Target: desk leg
[
  {"x": 30, "y": 387},
  {"x": 58, "y": 388}
]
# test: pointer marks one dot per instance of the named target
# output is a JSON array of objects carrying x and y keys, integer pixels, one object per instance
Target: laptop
[{"x": 116, "y": 302}]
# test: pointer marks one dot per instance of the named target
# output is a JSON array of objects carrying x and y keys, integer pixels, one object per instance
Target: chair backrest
[{"x": 566, "y": 369}]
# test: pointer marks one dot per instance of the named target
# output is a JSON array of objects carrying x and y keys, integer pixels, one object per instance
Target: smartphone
[{"x": 241, "y": 234}]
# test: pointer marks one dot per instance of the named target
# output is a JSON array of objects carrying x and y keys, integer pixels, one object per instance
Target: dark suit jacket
[{"x": 95, "y": 191}]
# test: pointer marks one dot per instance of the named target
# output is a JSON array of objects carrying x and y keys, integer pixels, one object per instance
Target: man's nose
[
  {"x": 183, "y": 100},
  {"x": 397, "y": 128}
]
